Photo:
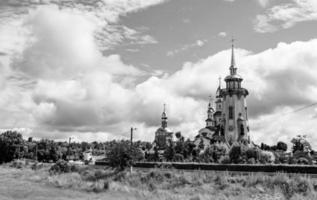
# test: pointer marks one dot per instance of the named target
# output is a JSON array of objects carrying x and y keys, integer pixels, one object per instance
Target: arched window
[
  {"x": 230, "y": 112},
  {"x": 241, "y": 130}
]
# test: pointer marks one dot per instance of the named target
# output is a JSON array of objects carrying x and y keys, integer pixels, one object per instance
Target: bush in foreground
[
  {"x": 122, "y": 155},
  {"x": 63, "y": 166}
]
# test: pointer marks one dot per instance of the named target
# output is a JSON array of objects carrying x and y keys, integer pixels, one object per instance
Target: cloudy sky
[{"x": 91, "y": 69}]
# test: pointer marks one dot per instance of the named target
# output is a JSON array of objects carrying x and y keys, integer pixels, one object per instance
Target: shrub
[
  {"x": 17, "y": 164},
  {"x": 266, "y": 157},
  {"x": 169, "y": 152},
  {"x": 37, "y": 166},
  {"x": 224, "y": 160},
  {"x": 252, "y": 153},
  {"x": 178, "y": 158},
  {"x": 120, "y": 156},
  {"x": 251, "y": 161},
  {"x": 63, "y": 166},
  {"x": 221, "y": 182},
  {"x": 235, "y": 154},
  {"x": 207, "y": 156}
]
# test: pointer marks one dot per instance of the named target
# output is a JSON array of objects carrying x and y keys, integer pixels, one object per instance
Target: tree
[
  {"x": 119, "y": 156},
  {"x": 300, "y": 143},
  {"x": 235, "y": 154},
  {"x": 252, "y": 153},
  {"x": 189, "y": 148},
  {"x": 10, "y": 145},
  {"x": 169, "y": 152},
  {"x": 178, "y": 135},
  {"x": 180, "y": 146},
  {"x": 281, "y": 146},
  {"x": 208, "y": 155}
]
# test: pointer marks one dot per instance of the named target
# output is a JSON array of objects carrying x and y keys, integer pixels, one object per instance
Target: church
[
  {"x": 228, "y": 121},
  {"x": 163, "y": 135},
  {"x": 227, "y": 116}
]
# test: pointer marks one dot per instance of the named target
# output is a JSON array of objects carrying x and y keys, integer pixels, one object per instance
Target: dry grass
[{"x": 99, "y": 183}]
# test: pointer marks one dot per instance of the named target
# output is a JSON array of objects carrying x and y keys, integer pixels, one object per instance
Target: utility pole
[
  {"x": 36, "y": 152},
  {"x": 68, "y": 153},
  {"x": 131, "y": 136},
  {"x": 131, "y": 145}
]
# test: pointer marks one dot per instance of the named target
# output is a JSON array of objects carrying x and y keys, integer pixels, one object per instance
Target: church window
[
  {"x": 222, "y": 131},
  {"x": 241, "y": 130},
  {"x": 246, "y": 113},
  {"x": 230, "y": 112}
]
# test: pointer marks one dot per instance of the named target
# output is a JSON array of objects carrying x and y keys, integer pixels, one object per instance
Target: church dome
[
  {"x": 233, "y": 77},
  {"x": 166, "y": 130}
]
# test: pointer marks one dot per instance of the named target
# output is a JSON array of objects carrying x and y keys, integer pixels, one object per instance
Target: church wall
[{"x": 232, "y": 131}]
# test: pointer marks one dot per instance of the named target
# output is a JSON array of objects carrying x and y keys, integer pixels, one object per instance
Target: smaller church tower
[
  {"x": 218, "y": 102},
  {"x": 163, "y": 136},
  {"x": 210, "y": 122},
  {"x": 164, "y": 118}
]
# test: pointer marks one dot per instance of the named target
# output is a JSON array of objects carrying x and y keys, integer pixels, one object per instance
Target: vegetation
[
  {"x": 11, "y": 143},
  {"x": 105, "y": 183},
  {"x": 121, "y": 154}
]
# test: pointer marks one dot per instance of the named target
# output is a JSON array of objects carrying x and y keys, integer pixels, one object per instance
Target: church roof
[
  {"x": 211, "y": 128},
  {"x": 167, "y": 130},
  {"x": 233, "y": 77},
  {"x": 217, "y": 113}
]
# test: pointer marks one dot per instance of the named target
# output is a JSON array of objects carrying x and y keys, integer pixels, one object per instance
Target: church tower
[
  {"x": 164, "y": 118},
  {"x": 210, "y": 122},
  {"x": 218, "y": 102},
  {"x": 234, "y": 110},
  {"x": 163, "y": 135}
]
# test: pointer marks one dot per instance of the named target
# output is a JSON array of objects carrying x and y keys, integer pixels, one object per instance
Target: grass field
[{"x": 97, "y": 183}]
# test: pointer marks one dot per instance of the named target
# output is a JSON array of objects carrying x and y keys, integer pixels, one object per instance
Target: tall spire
[
  {"x": 219, "y": 86},
  {"x": 233, "y": 69},
  {"x": 209, "y": 104},
  {"x": 164, "y": 117},
  {"x": 210, "y": 112}
]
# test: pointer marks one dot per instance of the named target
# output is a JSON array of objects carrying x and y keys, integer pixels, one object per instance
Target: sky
[{"x": 91, "y": 69}]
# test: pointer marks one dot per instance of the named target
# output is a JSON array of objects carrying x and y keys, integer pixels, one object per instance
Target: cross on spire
[
  {"x": 210, "y": 98},
  {"x": 233, "y": 62},
  {"x": 219, "y": 81},
  {"x": 210, "y": 101}
]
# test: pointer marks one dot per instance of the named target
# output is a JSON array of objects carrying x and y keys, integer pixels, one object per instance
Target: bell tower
[
  {"x": 164, "y": 117},
  {"x": 234, "y": 105},
  {"x": 210, "y": 122}
]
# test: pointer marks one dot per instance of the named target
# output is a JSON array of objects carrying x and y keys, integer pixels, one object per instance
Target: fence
[{"x": 303, "y": 169}]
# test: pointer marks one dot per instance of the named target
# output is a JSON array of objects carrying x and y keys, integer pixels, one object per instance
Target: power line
[
  {"x": 303, "y": 108},
  {"x": 300, "y": 109}
]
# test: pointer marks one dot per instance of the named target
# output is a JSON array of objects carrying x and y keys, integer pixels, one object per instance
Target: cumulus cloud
[
  {"x": 286, "y": 15},
  {"x": 58, "y": 84},
  {"x": 197, "y": 43},
  {"x": 222, "y": 34},
  {"x": 264, "y": 3},
  {"x": 55, "y": 78}
]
